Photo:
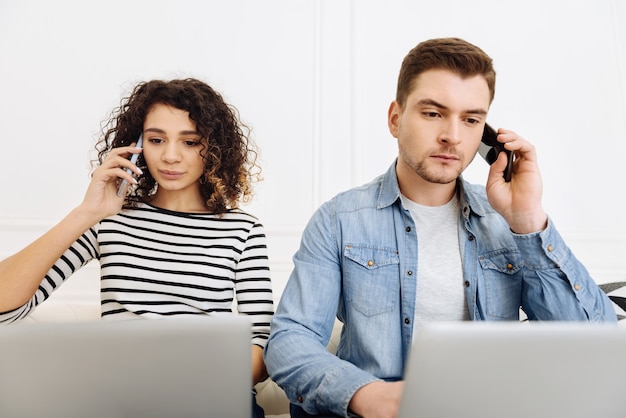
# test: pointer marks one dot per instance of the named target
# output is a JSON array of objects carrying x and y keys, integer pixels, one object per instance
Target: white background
[{"x": 314, "y": 79}]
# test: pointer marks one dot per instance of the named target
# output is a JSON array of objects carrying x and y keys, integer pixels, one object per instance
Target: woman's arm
[
  {"x": 259, "y": 373},
  {"x": 254, "y": 295},
  {"x": 21, "y": 273}
]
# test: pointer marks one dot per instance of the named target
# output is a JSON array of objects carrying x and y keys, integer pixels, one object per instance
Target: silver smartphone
[{"x": 133, "y": 159}]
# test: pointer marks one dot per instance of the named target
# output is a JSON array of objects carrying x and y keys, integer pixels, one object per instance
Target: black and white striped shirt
[{"x": 157, "y": 263}]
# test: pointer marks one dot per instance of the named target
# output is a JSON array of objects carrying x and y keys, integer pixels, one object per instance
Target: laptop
[
  {"x": 193, "y": 367},
  {"x": 515, "y": 370}
]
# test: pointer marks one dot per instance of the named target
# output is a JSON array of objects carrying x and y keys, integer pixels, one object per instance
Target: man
[{"x": 420, "y": 244}]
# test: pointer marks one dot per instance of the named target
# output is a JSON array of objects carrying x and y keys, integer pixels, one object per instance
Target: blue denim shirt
[{"x": 358, "y": 261}]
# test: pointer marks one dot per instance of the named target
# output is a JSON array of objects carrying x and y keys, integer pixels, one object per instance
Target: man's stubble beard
[{"x": 422, "y": 170}]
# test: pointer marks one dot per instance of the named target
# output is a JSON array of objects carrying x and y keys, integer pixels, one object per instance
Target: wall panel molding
[{"x": 618, "y": 10}]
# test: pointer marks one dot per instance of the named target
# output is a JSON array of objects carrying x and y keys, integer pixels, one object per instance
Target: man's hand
[
  {"x": 518, "y": 201},
  {"x": 377, "y": 400}
]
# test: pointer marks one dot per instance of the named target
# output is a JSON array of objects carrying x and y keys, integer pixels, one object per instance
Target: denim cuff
[{"x": 544, "y": 249}]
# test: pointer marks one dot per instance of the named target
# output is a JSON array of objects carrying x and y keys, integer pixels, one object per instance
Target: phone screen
[{"x": 490, "y": 148}]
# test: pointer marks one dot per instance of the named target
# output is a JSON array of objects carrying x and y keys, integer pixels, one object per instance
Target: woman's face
[{"x": 171, "y": 150}]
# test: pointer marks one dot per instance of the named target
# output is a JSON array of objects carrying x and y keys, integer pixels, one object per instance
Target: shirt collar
[
  {"x": 468, "y": 194},
  {"x": 389, "y": 190}
]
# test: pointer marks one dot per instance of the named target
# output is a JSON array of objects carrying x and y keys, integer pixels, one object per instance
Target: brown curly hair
[{"x": 229, "y": 153}]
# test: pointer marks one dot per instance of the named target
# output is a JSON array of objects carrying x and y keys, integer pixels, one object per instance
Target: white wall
[{"x": 314, "y": 79}]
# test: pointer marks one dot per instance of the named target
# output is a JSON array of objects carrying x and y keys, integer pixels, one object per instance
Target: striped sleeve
[
  {"x": 78, "y": 255},
  {"x": 253, "y": 289}
]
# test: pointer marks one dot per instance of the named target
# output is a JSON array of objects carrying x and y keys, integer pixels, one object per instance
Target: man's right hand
[{"x": 377, "y": 400}]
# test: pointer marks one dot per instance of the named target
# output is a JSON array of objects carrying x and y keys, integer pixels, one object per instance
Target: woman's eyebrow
[
  {"x": 157, "y": 130},
  {"x": 189, "y": 133},
  {"x": 161, "y": 131}
]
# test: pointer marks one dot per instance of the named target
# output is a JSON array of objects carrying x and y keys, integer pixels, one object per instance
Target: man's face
[{"x": 440, "y": 126}]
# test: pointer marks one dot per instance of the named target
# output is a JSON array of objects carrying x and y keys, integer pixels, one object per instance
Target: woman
[{"x": 174, "y": 242}]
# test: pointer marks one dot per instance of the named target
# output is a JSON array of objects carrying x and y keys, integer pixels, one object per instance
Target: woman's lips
[{"x": 170, "y": 174}]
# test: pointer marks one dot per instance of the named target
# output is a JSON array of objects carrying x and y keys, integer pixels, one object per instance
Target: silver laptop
[
  {"x": 196, "y": 367},
  {"x": 530, "y": 370}
]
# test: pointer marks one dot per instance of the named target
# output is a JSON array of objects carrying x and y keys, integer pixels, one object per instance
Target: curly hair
[{"x": 229, "y": 154}]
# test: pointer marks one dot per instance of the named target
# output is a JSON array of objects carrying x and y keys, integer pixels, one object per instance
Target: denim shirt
[{"x": 358, "y": 261}]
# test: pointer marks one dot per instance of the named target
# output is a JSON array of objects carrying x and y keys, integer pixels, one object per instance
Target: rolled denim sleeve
[
  {"x": 556, "y": 284},
  {"x": 295, "y": 355}
]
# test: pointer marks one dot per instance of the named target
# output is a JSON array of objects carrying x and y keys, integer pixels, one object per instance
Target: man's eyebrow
[
  {"x": 480, "y": 112},
  {"x": 431, "y": 102},
  {"x": 434, "y": 103}
]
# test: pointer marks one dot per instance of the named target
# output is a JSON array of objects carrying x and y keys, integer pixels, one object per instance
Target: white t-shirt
[{"x": 440, "y": 290}]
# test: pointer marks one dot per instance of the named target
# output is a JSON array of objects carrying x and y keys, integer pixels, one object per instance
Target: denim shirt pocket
[
  {"x": 502, "y": 283},
  {"x": 371, "y": 277}
]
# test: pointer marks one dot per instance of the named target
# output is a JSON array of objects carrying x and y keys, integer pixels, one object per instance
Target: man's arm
[
  {"x": 556, "y": 284},
  {"x": 295, "y": 355}
]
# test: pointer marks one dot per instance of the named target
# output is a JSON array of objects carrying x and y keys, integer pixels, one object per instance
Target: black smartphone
[{"x": 490, "y": 148}]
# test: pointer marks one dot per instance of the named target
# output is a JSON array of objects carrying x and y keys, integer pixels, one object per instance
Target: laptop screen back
[
  {"x": 513, "y": 370},
  {"x": 196, "y": 367}
]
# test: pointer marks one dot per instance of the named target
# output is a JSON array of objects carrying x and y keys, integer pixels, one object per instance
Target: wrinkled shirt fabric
[{"x": 358, "y": 261}]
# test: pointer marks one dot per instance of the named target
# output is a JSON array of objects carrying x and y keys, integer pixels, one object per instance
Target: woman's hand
[{"x": 101, "y": 198}]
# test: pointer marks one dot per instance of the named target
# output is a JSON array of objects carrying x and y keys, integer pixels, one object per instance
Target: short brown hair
[{"x": 454, "y": 54}]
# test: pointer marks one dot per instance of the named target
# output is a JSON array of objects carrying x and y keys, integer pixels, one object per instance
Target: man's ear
[{"x": 393, "y": 118}]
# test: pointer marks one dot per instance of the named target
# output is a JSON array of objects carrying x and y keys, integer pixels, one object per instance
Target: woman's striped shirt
[{"x": 156, "y": 263}]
